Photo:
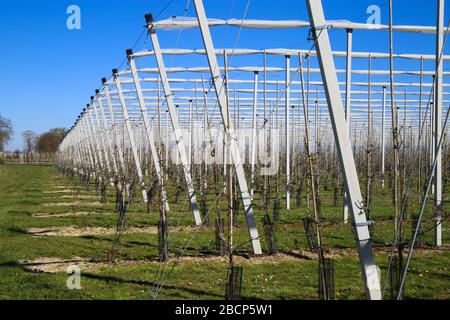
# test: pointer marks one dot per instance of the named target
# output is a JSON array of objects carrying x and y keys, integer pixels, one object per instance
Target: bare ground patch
[
  {"x": 57, "y": 265},
  {"x": 86, "y": 231},
  {"x": 60, "y": 191},
  {"x": 80, "y": 196},
  {"x": 378, "y": 251},
  {"x": 68, "y": 214},
  {"x": 74, "y": 231},
  {"x": 68, "y": 204}
]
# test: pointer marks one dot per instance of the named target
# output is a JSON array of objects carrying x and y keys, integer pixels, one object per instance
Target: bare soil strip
[
  {"x": 80, "y": 196},
  {"x": 68, "y": 214},
  {"x": 74, "y": 231},
  {"x": 87, "y": 231},
  {"x": 60, "y": 191},
  {"x": 57, "y": 265},
  {"x": 75, "y": 203}
]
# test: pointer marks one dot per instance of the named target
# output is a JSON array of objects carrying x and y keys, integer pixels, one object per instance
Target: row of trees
[{"x": 47, "y": 142}]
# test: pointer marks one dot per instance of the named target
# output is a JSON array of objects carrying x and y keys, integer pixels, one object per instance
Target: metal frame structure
[{"x": 117, "y": 131}]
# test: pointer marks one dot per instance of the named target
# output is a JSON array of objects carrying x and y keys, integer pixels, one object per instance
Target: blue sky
[{"x": 49, "y": 72}]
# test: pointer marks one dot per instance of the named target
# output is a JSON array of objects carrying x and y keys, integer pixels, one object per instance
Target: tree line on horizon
[{"x": 47, "y": 142}]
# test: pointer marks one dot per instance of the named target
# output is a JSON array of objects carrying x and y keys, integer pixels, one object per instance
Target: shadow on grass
[{"x": 147, "y": 283}]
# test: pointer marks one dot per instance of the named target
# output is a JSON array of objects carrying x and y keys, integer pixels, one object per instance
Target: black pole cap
[
  {"x": 103, "y": 80},
  {"x": 129, "y": 53},
  {"x": 97, "y": 91},
  {"x": 114, "y": 72},
  {"x": 149, "y": 18},
  {"x": 92, "y": 98}
]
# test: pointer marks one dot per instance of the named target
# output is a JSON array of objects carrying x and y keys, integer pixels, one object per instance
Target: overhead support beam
[
  {"x": 229, "y": 130},
  {"x": 179, "y": 139},
  {"x": 369, "y": 270}
]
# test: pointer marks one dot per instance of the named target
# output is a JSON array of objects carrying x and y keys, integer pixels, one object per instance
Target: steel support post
[
  {"x": 117, "y": 145},
  {"x": 87, "y": 139},
  {"x": 254, "y": 125},
  {"x": 102, "y": 143},
  {"x": 438, "y": 120},
  {"x": 383, "y": 124},
  {"x": 84, "y": 158},
  {"x": 287, "y": 131},
  {"x": 95, "y": 141},
  {"x": 179, "y": 139},
  {"x": 348, "y": 96},
  {"x": 107, "y": 133},
  {"x": 190, "y": 122},
  {"x": 234, "y": 146},
  {"x": 167, "y": 145},
  {"x": 332, "y": 92},
  {"x": 129, "y": 129},
  {"x": 148, "y": 129}
]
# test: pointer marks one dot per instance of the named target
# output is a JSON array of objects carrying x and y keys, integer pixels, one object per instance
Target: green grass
[{"x": 22, "y": 194}]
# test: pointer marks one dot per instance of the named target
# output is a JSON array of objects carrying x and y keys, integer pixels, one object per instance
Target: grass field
[{"x": 36, "y": 201}]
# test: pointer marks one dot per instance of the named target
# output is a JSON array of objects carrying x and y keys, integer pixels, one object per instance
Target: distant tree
[
  {"x": 61, "y": 132},
  {"x": 49, "y": 142},
  {"x": 29, "y": 141},
  {"x": 6, "y": 132}
]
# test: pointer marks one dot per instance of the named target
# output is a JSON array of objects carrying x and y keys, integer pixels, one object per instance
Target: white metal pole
[
  {"x": 167, "y": 145},
  {"x": 148, "y": 129},
  {"x": 340, "y": 128},
  {"x": 438, "y": 120},
  {"x": 348, "y": 95},
  {"x": 129, "y": 129},
  {"x": 117, "y": 144},
  {"x": 254, "y": 125},
  {"x": 234, "y": 146},
  {"x": 103, "y": 142},
  {"x": 190, "y": 122},
  {"x": 383, "y": 137},
  {"x": 106, "y": 131},
  {"x": 287, "y": 132},
  {"x": 174, "y": 119}
]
